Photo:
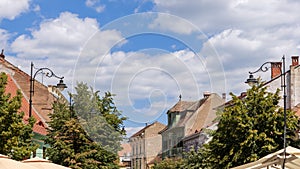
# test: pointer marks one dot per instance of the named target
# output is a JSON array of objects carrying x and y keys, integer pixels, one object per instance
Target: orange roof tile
[{"x": 38, "y": 127}]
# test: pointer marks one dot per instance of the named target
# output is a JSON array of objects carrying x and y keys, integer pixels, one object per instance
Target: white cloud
[
  {"x": 212, "y": 17},
  {"x": 167, "y": 23},
  {"x": 245, "y": 34},
  {"x": 242, "y": 35},
  {"x": 152, "y": 80},
  {"x": 132, "y": 130},
  {"x": 4, "y": 36},
  {"x": 100, "y": 8},
  {"x": 95, "y": 4},
  {"x": 241, "y": 52},
  {"x": 62, "y": 36},
  {"x": 58, "y": 43},
  {"x": 90, "y": 3},
  {"x": 36, "y": 8},
  {"x": 11, "y": 9}
]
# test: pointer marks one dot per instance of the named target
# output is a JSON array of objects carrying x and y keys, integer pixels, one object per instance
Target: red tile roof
[
  {"x": 41, "y": 102},
  {"x": 39, "y": 126}
]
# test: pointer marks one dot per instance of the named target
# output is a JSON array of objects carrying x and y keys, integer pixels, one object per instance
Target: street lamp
[
  {"x": 61, "y": 86},
  {"x": 251, "y": 81}
]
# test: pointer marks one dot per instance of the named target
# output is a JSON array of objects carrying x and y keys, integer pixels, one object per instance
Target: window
[{"x": 140, "y": 148}]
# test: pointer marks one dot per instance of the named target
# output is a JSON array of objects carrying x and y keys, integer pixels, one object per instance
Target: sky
[{"x": 148, "y": 52}]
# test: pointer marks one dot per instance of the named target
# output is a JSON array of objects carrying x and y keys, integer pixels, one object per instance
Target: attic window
[{"x": 40, "y": 123}]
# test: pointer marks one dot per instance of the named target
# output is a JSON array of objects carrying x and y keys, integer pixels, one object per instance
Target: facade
[
  {"x": 41, "y": 101},
  {"x": 125, "y": 156},
  {"x": 292, "y": 80},
  {"x": 197, "y": 139},
  {"x": 146, "y": 146},
  {"x": 186, "y": 118}
]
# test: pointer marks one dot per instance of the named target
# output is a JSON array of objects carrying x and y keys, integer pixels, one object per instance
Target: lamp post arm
[
  {"x": 263, "y": 68},
  {"x": 49, "y": 74}
]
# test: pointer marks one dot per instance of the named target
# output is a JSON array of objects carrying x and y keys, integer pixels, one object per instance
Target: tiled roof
[
  {"x": 38, "y": 127},
  {"x": 195, "y": 114},
  {"x": 143, "y": 129},
  {"x": 296, "y": 109},
  {"x": 186, "y": 109},
  {"x": 41, "y": 100},
  {"x": 126, "y": 148},
  {"x": 184, "y": 105}
]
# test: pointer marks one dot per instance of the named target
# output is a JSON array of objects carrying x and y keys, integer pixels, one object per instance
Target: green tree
[
  {"x": 169, "y": 164},
  {"x": 86, "y": 134},
  {"x": 71, "y": 146},
  {"x": 195, "y": 159},
  {"x": 99, "y": 117},
  {"x": 249, "y": 129},
  {"x": 15, "y": 135}
]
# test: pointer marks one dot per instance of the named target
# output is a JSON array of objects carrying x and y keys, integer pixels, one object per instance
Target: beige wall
[
  {"x": 146, "y": 146},
  {"x": 292, "y": 87}
]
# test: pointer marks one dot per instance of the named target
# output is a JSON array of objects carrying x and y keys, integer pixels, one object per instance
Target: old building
[
  {"x": 41, "y": 101},
  {"x": 125, "y": 156},
  {"x": 292, "y": 81},
  {"x": 197, "y": 139},
  {"x": 186, "y": 118},
  {"x": 146, "y": 145}
]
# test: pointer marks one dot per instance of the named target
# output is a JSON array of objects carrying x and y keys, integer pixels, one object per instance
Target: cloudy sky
[{"x": 148, "y": 52}]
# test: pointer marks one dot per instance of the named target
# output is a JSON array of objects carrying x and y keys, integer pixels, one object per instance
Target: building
[
  {"x": 41, "y": 101},
  {"x": 292, "y": 82},
  {"x": 146, "y": 146},
  {"x": 125, "y": 156},
  {"x": 186, "y": 118},
  {"x": 197, "y": 139}
]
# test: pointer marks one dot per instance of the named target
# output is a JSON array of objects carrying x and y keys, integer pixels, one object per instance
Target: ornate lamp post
[
  {"x": 49, "y": 74},
  {"x": 251, "y": 81}
]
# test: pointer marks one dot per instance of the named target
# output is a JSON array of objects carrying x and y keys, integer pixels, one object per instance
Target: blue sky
[{"x": 148, "y": 52}]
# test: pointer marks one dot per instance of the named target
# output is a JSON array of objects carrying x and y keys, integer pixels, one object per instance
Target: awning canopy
[
  {"x": 275, "y": 160},
  {"x": 6, "y": 163},
  {"x": 43, "y": 164}
]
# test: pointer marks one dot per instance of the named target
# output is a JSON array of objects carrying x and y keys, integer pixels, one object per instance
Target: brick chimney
[
  {"x": 275, "y": 69},
  {"x": 295, "y": 60},
  {"x": 224, "y": 96},
  {"x": 206, "y": 94}
]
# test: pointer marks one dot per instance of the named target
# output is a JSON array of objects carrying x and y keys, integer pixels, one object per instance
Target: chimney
[
  {"x": 2, "y": 55},
  {"x": 275, "y": 69},
  {"x": 295, "y": 60},
  {"x": 224, "y": 96},
  {"x": 206, "y": 94}
]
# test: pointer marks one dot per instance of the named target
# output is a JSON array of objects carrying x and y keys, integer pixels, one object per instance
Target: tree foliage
[
  {"x": 249, "y": 129},
  {"x": 196, "y": 159},
  {"x": 80, "y": 135},
  {"x": 168, "y": 164},
  {"x": 99, "y": 117},
  {"x": 15, "y": 135},
  {"x": 71, "y": 146}
]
